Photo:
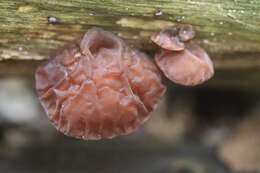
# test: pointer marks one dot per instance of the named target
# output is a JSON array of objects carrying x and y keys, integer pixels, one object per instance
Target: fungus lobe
[
  {"x": 168, "y": 39},
  {"x": 189, "y": 67},
  {"x": 186, "y": 33},
  {"x": 188, "y": 64},
  {"x": 99, "y": 89}
]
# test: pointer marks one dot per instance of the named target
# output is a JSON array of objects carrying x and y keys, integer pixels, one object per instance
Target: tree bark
[{"x": 228, "y": 29}]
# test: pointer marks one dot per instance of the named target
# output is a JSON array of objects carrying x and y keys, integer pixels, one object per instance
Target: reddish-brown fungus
[
  {"x": 189, "y": 67},
  {"x": 168, "y": 39},
  {"x": 186, "y": 33},
  {"x": 99, "y": 89}
]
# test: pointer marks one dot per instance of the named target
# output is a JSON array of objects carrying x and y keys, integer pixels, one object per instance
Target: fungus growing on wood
[
  {"x": 189, "y": 64},
  {"x": 186, "y": 33},
  {"x": 168, "y": 39},
  {"x": 189, "y": 67},
  {"x": 99, "y": 89}
]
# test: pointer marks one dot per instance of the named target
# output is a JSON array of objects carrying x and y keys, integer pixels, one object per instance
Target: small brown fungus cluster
[
  {"x": 100, "y": 88},
  {"x": 181, "y": 60}
]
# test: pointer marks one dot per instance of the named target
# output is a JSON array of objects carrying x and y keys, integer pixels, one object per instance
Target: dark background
[{"x": 194, "y": 130}]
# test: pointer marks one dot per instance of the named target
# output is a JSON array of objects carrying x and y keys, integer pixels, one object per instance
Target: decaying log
[{"x": 229, "y": 30}]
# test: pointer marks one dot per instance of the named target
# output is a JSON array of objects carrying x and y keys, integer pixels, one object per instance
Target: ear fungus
[
  {"x": 168, "y": 39},
  {"x": 99, "y": 89},
  {"x": 186, "y": 33},
  {"x": 189, "y": 66}
]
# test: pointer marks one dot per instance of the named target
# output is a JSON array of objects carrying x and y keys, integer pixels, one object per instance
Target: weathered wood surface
[{"x": 228, "y": 29}]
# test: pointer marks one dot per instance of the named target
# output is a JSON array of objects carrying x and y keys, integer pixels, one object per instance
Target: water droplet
[
  {"x": 221, "y": 23},
  {"x": 53, "y": 19},
  {"x": 135, "y": 37},
  {"x": 178, "y": 19},
  {"x": 206, "y": 41},
  {"x": 120, "y": 34},
  {"x": 158, "y": 12},
  {"x": 77, "y": 55}
]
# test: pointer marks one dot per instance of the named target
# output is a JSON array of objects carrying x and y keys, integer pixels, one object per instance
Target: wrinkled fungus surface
[
  {"x": 99, "y": 89},
  {"x": 189, "y": 67}
]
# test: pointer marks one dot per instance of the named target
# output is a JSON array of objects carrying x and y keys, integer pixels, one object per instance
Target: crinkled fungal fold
[
  {"x": 189, "y": 67},
  {"x": 99, "y": 89}
]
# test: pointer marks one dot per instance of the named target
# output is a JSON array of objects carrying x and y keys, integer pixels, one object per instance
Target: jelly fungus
[
  {"x": 168, "y": 39},
  {"x": 188, "y": 66},
  {"x": 100, "y": 88},
  {"x": 186, "y": 33}
]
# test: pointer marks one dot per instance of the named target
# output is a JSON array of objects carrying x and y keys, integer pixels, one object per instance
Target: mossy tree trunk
[{"x": 228, "y": 29}]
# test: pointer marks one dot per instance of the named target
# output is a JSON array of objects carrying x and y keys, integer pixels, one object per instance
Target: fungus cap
[
  {"x": 189, "y": 67},
  {"x": 99, "y": 89},
  {"x": 186, "y": 33},
  {"x": 168, "y": 39}
]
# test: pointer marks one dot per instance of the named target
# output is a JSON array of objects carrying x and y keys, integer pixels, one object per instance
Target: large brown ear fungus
[
  {"x": 99, "y": 89},
  {"x": 190, "y": 66}
]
